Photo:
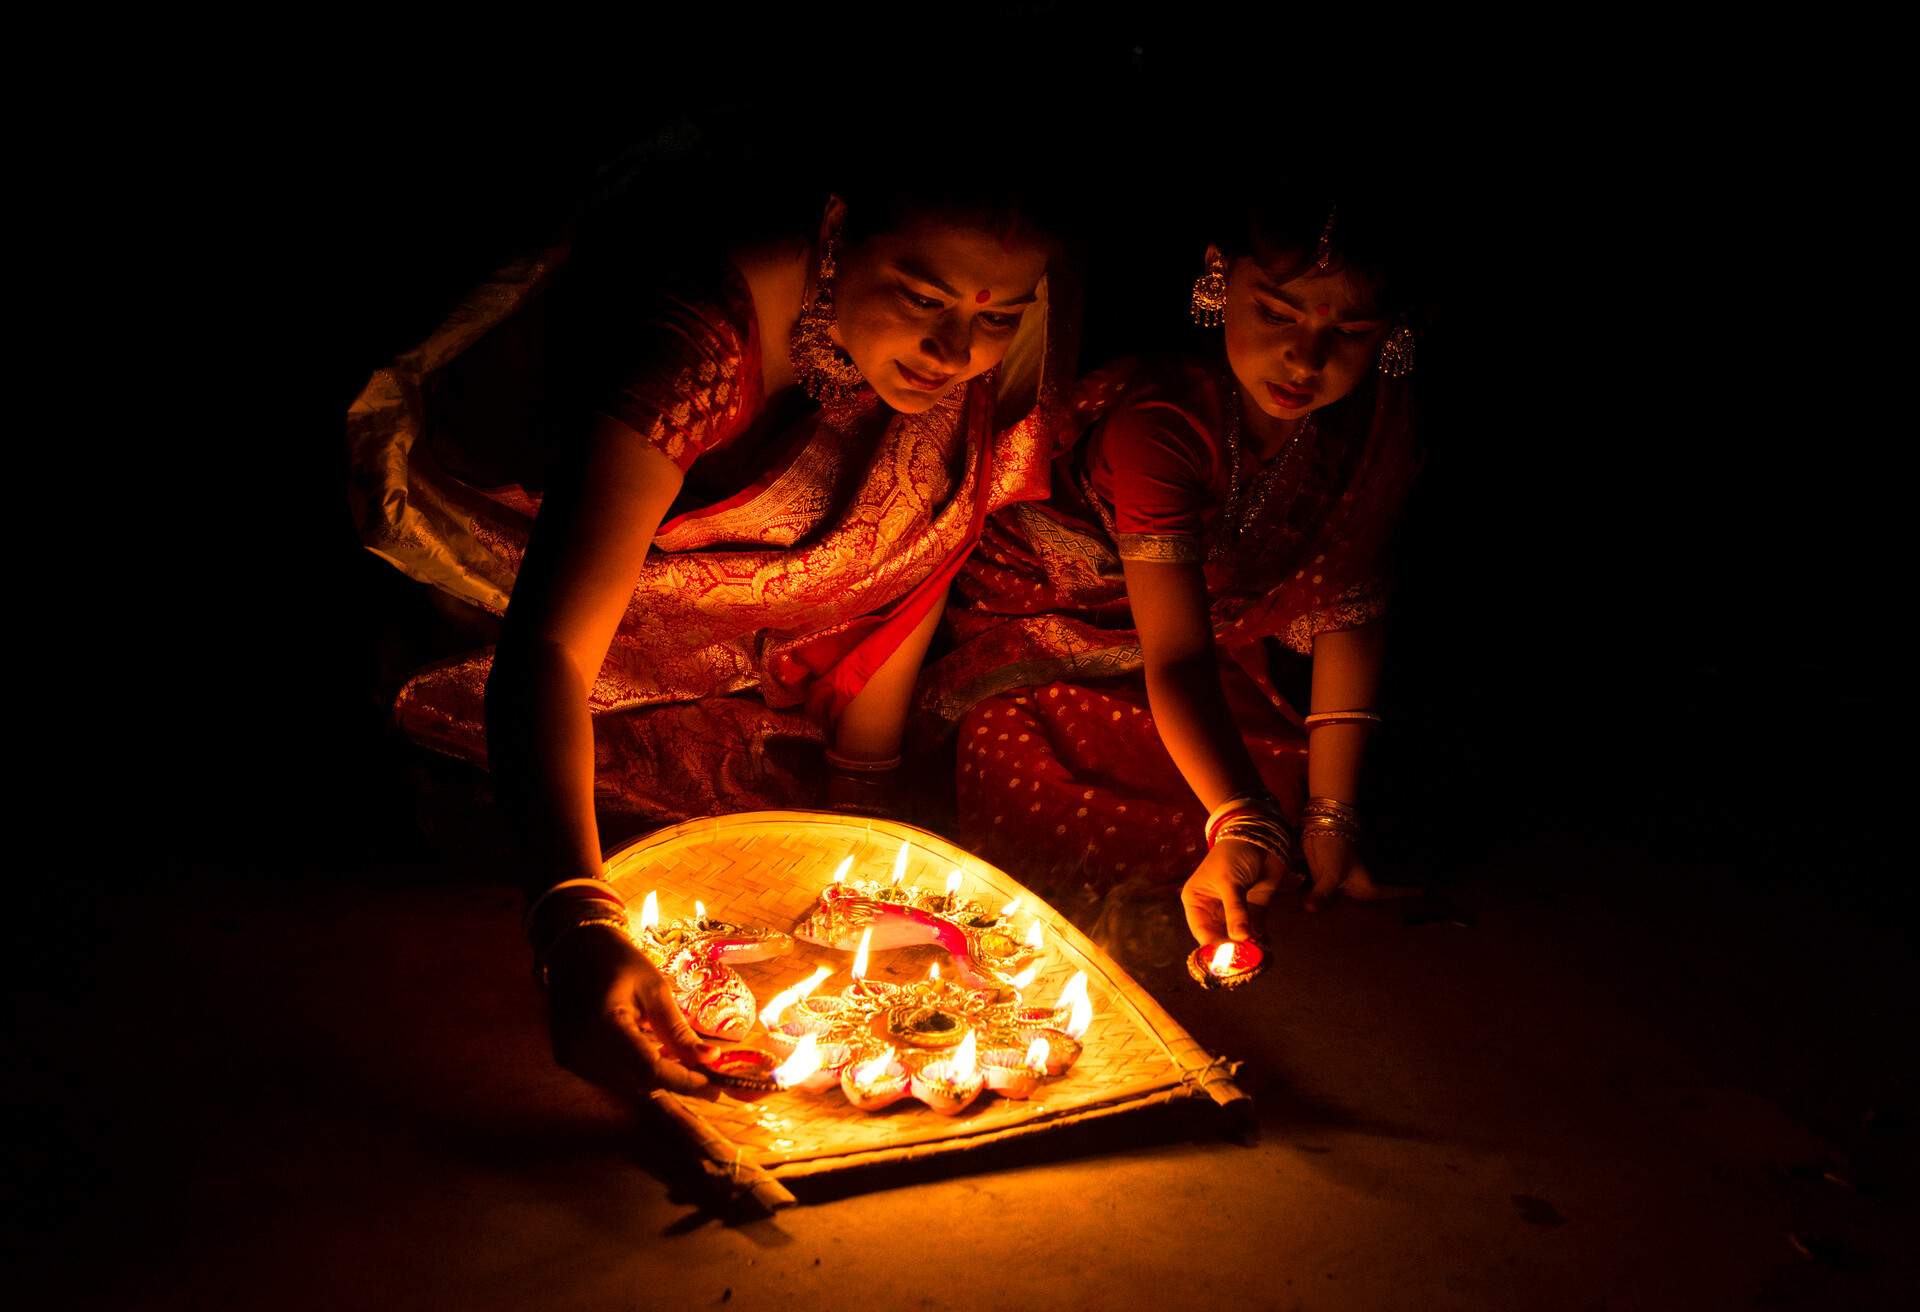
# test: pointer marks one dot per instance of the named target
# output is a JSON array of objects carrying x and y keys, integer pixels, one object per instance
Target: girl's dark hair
[{"x": 1374, "y": 235}]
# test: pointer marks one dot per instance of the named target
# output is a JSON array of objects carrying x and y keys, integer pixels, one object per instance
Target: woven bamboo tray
[{"x": 768, "y": 868}]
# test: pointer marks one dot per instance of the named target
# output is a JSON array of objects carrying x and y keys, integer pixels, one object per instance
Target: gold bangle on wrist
[
  {"x": 1319, "y": 718},
  {"x": 601, "y": 915},
  {"x": 851, "y": 765}
]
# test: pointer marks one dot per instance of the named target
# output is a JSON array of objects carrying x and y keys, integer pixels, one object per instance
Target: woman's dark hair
[{"x": 1009, "y": 191}]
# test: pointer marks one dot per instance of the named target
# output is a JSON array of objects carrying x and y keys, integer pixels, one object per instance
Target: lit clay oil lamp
[
  {"x": 875, "y": 1083},
  {"x": 950, "y": 1084},
  {"x": 788, "y": 1017},
  {"x": 1226, "y": 965},
  {"x": 1013, "y": 1073},
  {"x": 814, "y": 1066},
  {"x": 1061, "y": 1025}
]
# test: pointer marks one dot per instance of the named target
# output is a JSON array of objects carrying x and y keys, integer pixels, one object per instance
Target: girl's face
[
  {"x": 1299, "y": 345},
  {"x": 922, "y": 309}
]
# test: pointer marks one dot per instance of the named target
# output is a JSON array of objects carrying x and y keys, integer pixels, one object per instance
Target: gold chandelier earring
[
  {"x": 824, "y": 371},
  {"x": 1209, "y": 308},
  {"x": 1396, "y": 353}
]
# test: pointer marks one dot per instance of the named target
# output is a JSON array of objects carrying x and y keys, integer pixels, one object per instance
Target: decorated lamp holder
[{"x": 942, "y": 1041}]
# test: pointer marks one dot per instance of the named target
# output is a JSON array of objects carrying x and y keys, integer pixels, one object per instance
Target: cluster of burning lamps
[{"x": 935, "y": 1040}]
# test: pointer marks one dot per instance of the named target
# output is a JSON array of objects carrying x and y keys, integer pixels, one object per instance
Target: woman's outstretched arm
[
  {"x": 587, "y": 548},
  {"x": 586, "y": 551},
  {"x": 1190, "y": 711},
  {"x": 1346, "y": 677}
]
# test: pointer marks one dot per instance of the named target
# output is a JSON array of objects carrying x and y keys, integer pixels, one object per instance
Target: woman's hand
[
  {"x": 1233, "y": 877},
  {"x": 1336, "y": 867},
  {"x": 604, "y": 996}
]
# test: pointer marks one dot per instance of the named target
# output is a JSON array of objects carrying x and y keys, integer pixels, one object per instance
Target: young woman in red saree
[
  {"x": 1113, "y": 682},
  {"x": 741, "y": 559}
]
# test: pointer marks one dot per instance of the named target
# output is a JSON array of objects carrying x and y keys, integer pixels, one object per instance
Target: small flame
[
  {"x": 1222, "y": 958},
  {"x": 933, "y": 971},
  {"x": 965, "y": 1067},
  {"x": 900, "y": 864},
  {"x": 1011, "y": 907},
  {"x": 777, "y": 1006},
  {"x": 840, "y": 871},
  {"x": 650, "y": 911},
  {"x": 1074, "y": 996},
  {"x": 872, "y": 1072},
  {"x": 1036, "y": 936},
  {"x": 953, "y": 882},
  {"x": 1037, "y": 1053},
  {"x": 860, "y": 954},
  {"x": 699, "y": 912},
  {"x": 804, "y": 1062},
  {"x": 1025, "y": 977}
]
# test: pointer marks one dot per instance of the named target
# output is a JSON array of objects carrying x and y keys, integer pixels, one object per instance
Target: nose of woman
[
  {"x": 950, "y": 342},
  {"x": 1306, "y": 348}
]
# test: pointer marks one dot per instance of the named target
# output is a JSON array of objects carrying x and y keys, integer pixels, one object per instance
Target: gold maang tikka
[
  {"x": 1209, "y": 308},
  {"x": 824, "y": 371},
  {"x": 1323, "y": 251}
]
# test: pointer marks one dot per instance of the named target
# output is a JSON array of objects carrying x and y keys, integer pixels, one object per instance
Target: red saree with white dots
[{"x": 1060, "y": 772}]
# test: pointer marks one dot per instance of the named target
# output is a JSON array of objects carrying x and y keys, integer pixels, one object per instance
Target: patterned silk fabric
[
  {"x": 1059, "y": 765},
  {"x": 809, "y": 550}
]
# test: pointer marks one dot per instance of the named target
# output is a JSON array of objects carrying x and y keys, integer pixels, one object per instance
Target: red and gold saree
[
  {"x": 801, "y": 552},
  {"x": 1060, "y": 770}
]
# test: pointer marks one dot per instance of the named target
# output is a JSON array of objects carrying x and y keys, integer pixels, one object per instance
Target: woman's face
[
  {"x": 922, "y": 309},
  {"x": 1299, "y": 345}
]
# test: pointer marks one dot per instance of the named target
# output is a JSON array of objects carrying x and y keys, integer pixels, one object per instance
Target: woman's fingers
[
  {"x": 1328, "y": 858},
  {"x": 647, "y": 1067},
  {"x": 1206, "y": 921},
  {"x": 1362, "y": 887},
  {"x": 669, "y": 1024}
]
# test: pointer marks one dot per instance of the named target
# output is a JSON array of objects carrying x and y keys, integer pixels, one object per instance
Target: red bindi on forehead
[
  {"x": 982, "y": 297},
  {"x": 1322, "y": 309}
]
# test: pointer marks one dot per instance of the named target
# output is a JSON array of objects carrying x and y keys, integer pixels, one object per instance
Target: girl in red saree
[
  {"x": 1113, "y": 684},
  {"x": 740, "y": 561}
]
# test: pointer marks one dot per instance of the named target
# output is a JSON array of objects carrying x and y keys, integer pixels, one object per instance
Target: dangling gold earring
[
  {"x": 824, "y": 371},
  {"x": 1209, "y": 307},
  {"x": 1396, "y": 353}
]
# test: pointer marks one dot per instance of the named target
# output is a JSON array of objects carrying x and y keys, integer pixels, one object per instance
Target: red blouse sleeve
[
  {"x": 1153, "y": 464},
  {"x": 694, "y": 384}
]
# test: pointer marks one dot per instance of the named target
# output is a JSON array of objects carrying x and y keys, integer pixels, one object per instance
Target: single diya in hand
[{"x": 1228, "y": 964}]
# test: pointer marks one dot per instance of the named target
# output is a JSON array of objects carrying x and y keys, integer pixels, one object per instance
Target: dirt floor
[{"x": 335, "y": 1093}]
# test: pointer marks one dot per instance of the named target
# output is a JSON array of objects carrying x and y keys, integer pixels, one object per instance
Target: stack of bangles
[
  {"x": 569, "y": 905},
  {"x": 1324, "y": 815},
  {"x": 1254, "y": 819}
]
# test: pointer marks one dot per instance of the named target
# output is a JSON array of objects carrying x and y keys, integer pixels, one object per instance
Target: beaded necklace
[{"x": 1249, "y": 492}]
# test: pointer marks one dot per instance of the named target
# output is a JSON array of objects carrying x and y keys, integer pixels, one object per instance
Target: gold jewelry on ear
[
  {"x": 1209, "y": 308},
  {"x": 1396, "y": 353},
  {"x": 824, "y": 371}
]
